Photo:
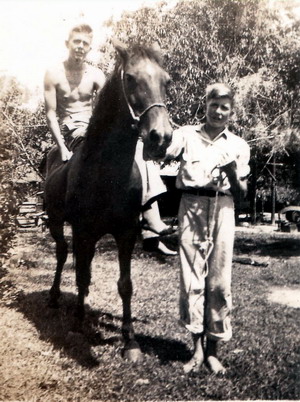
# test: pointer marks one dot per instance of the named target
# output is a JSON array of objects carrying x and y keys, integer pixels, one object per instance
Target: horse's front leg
[
  {"x": 57, "y": 232},
  {"x": 84, "y": 250},
  {"x": 125, "y": 243}
]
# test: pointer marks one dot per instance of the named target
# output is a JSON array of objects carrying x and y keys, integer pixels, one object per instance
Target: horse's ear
[
  {"x": 121, "y": 48},
  {"x": 156, "y": 47}
]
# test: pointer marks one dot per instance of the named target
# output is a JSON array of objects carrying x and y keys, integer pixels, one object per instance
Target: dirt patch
[{"x": 289, "y": 296}]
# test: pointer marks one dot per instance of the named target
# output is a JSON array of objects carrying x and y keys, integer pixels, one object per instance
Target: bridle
[{"x": 134, "y": 116}]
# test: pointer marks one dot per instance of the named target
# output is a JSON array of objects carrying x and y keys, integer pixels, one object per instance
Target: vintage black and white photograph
[{"x": 149, "y": 200}]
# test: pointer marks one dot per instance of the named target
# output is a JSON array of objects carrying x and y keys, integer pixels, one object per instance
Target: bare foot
[
  {"x": 198, "y": 358},
  {"x": 161, "y": 247},
  {"x": 215, "y": 365},
  {"x": 193, "y": 365},
  {"x": 154, "y": 244}
]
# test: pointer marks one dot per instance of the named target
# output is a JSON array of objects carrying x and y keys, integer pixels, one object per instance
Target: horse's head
[{"x": 144, "y": 84}]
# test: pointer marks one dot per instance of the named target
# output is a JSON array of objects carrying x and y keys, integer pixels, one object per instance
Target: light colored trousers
[{"x": 205, "y": 283}]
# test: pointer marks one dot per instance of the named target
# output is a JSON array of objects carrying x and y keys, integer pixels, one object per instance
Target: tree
[
  {"x": 245, "y": 43},
  {"x": 9, "y": 98},
  {"x": 24, "y": 136}
]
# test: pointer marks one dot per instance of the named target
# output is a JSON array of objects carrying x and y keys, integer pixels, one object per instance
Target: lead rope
[
  {"x": 210, "y": 229},
  {"x": 207, "y": 246}
]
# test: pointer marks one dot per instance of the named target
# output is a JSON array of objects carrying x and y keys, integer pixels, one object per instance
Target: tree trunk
[
  {"x": 273, "y": 192},
  {"x": 253, "y": 192}
]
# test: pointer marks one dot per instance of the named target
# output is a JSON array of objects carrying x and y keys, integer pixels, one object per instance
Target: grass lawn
[{"x": 43, "y": 357}]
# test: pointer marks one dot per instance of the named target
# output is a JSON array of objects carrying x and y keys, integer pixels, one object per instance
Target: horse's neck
[{"x": 110, "y": 134}]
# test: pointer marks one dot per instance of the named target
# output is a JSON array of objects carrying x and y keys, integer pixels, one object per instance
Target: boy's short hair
[
  {"x": 82, "y": 28},
  {"x": 219, "y": 90}
]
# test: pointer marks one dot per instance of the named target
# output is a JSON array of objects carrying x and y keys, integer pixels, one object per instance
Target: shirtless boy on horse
[{"x": 70, "y": 90}]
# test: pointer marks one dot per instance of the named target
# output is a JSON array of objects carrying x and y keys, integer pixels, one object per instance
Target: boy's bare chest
[{"x": 75, "y": 86}]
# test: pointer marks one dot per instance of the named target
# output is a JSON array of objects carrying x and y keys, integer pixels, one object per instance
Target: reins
[{"x": 134, "y": 116}]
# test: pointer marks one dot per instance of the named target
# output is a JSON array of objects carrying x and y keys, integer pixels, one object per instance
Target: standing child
[{"x": 213, "y": 171}]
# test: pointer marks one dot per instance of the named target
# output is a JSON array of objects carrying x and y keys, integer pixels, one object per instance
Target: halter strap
[{"x": 134, "y": 116}]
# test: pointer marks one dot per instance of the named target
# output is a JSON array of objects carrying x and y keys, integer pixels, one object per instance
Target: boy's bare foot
[
  {"x": 198, "y": 358},
  {"x": 193, "y": 365},
  {"x": 215, "y": 365},
  {"x": 162, "y": 248},
  {"x": 154, "y": 244},
  {"x": 212, "y": 361}
]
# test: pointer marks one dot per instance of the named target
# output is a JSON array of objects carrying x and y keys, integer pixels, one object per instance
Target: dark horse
[{"x": 99, "y": 190}]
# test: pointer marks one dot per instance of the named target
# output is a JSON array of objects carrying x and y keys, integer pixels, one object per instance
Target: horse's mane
[
  {"x": 136, "y": 50},
  {"x": 147, "y": 52},
  {"x": 102, "y": 111}
]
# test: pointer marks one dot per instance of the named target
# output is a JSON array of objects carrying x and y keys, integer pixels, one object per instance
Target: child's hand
[
  {"x": 66, "y": 154},
  {"x": 225, "y": 159}
]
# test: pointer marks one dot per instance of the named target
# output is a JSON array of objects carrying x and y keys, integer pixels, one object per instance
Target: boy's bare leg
[
  {"x": 151, "y": 240},
  {"x": 211, "y": 358},
  {"x": 198, "y": 357},
  {"x": 152, "y": 217}
]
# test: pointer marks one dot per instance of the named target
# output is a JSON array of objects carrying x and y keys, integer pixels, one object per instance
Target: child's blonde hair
[
  {"x": 82, "y": 28},
  {"x": 219, "y": 90}
]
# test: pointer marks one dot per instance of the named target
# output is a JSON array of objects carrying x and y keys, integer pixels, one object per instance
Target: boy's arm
[
  {"x": 50, "y": 108},
  {"x": 237, "y": 172},
  {"x": 238, "y": 185},
  {"x": 176, "y": 147}
]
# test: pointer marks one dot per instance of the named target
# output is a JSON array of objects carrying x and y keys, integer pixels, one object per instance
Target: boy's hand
[
  {"x": 225, "y": 158},
  {"x": 65, "y": 154}
]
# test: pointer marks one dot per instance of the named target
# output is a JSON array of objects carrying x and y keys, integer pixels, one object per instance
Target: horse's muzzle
[{"x": 155, "y": 145}]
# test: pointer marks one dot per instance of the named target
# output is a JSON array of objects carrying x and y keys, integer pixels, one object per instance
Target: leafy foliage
[
  {"x": 23, "y": 137},
  {"x": 247, "y": 44},
  {"x": 7, "y": 155}
]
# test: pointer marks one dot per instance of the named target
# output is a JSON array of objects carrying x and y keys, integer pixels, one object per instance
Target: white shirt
[{"x": 201, "y": 157}]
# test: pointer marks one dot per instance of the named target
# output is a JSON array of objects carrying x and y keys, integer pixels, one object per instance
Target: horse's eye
[{"x": 130, "y": 80}]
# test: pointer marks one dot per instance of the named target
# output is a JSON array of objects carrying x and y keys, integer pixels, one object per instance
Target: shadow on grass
[
  {"x": 166, "y": 350},
  {"x": 283, "y": 247},
  {"x": 107, "y": 247},
  {"x": 61, "y": 328}
]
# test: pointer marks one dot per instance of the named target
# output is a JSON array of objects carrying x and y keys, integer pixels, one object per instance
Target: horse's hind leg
[
  {"x": 57, "y": 232},
  {"x": 125, "y": 244},
  {"x": 84, "y": 250}
]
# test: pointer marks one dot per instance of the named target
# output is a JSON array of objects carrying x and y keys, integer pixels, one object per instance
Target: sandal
[{"x": 165, "y": 232}]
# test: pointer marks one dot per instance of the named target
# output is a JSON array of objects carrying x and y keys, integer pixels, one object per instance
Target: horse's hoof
[{"x": 133, "y": 355}]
